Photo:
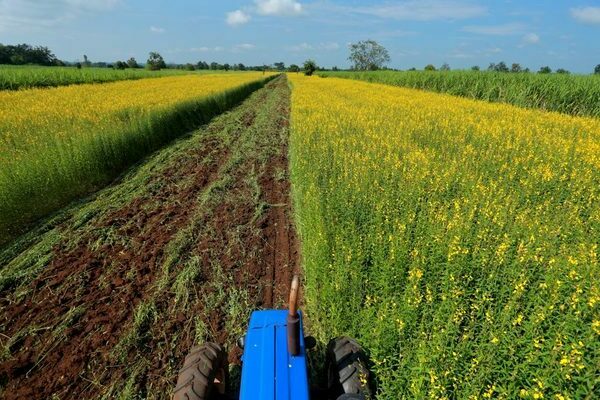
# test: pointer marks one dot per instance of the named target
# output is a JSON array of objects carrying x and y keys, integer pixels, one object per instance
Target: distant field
[
  {"x": 22, "y": 77},
  {"x": 57, "y": 144},
  {"x": 569, "y": 94},
  {"x": 458, "y": 240}
]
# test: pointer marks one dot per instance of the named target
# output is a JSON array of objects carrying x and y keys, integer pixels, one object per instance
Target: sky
[{"x": 462, "y": 33}]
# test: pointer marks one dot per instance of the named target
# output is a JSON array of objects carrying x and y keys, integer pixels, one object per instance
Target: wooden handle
[{"x": 294, "y": 296}]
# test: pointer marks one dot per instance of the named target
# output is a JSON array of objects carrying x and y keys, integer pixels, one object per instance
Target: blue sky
[{"x": 462, "y": 33}]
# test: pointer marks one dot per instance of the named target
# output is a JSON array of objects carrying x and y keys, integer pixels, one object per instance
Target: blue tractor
[{"x": 274, "y": 363}]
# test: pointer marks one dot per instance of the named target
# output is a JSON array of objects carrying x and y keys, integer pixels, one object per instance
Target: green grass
[
  {"x": 25, "y": 77},
  {"x": 569, "y": 94}
]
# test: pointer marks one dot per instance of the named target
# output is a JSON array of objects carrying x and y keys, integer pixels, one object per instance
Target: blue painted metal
[{"x": 269, "y": 372}]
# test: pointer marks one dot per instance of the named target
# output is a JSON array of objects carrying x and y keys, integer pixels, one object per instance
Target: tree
[
  {"x": 279, "y": 66},
  {"x": 120, "y": 65},
  {"x": 501, "y": 67},
  {"x": 562, "y": 71},
  {"x": 475, "y": 68},
  {"x": 430, "y": 67},
  {"x": 86, "y": 61},
  {"x": 215, "y": 66},
  {"x": 310, "y": 66},
  {"x": 545, "y": 70},
  {"x": 26, "y": 54},
  {"x": 226, "y": 67},
  {"x": 241, "y": 67},
  {"x": 294, "y": 68},
  {"x": 445, "y": 67},
  {"x": 189, "y": 67},
  {"x": 368, "y": 55},
  {"x": 155, "y": 62},
  {"x": 412, "y": 69},
  {"x": 516, "y": 68},
  {"x": 597, "y": 70},
  {"x": 132, "y": 63}
]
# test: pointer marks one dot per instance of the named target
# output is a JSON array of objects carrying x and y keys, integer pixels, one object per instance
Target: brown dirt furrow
[
  {"x": 107, "y": 283},
  {"x": 282, "y": 261}
]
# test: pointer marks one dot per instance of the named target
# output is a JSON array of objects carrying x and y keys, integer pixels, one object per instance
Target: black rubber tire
[
  {"x": 347, "y": 368},
  {"x": 201, "y": 365}
]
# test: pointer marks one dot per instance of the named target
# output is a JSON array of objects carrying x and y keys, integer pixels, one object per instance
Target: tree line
[
  {"x": 503, "y": 67},
  {"x": 367, "y": 55},
  {"x": 22, "y": 54},
  {"x": 25, "y": 54}
]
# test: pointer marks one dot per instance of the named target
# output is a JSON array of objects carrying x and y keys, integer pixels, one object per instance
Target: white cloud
[
  {"x": 464, "y": 51},
  {"x": 278, "y": 7},
  {"x": 206, "y": 49},
  {"x": 329, "y": 46},
  {"x": 496, "y": 30},
  {"x": 326, "y": 46},
  {"x": 586, "y": 15},
  {"x": 91, "y": 5},
  {"x": 243, "y": 47},
  {"x": 531, "y": 38},
  {"x": 301, "y": 47},
  {"x": 25, "y": 15},
  {"x": 155, "y": 29},
  {"x": 424, "y": 10},
  {"x": 237, "y": 17}
]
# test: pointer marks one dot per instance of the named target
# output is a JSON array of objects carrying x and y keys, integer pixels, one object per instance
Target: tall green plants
[
  {"x": 569, "y": 94},
  {"x": 59, "y": 144}
]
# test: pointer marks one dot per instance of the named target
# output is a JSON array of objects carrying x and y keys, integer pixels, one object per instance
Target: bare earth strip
[{"x": 105, "y": 299}]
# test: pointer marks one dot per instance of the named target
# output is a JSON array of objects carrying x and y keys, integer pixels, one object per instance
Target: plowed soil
[{"x": 180, "y": 250}]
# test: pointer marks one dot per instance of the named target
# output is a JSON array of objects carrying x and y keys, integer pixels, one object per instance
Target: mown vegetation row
[
  {"x": 569, "y": 94},
  {"x": 57, "y": 144},
  {"x": 458, "y": 240}
]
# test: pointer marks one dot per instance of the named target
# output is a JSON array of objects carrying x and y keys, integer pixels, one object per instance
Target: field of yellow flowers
[
  {"x": 457, "y": 239},
  {"x": 57, "y": 144}
]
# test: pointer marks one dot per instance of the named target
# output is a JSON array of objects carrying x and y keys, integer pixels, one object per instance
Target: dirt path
[{"x": 115, "y": 291}]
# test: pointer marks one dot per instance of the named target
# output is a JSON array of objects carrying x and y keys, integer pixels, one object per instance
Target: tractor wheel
[
  {"x": 204, "y": 372},
  {"x": 348, "y": 369}
]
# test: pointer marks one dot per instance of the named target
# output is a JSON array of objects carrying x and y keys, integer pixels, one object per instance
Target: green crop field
[
  {"x": 23, "y": 77},
  {"x": 569, "y": 94},
  {"x": 459, "y": 240},
  {"x": 444, "y": 225},
  {"x": 60, "y": 143}
]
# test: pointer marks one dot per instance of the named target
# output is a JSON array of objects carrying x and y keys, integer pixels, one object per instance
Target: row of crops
[
  {"x": 19, "y": 77},
  {"x": 569, "y": 94},
  {"x": 58, "y": 144},
  {"x": 457, "y": 239}
]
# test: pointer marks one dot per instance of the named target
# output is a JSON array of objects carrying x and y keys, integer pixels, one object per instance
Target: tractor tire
[
  {"x": 347, "y": 369},
  {"x": 202, "y": 365}
]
